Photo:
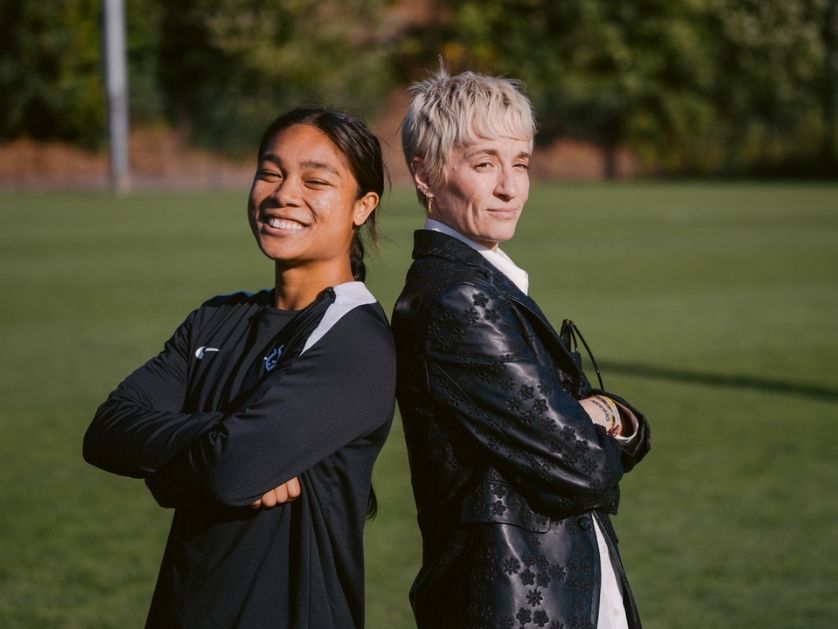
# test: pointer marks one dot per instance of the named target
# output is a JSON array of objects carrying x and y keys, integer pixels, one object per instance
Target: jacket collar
[
  {"x": 495, "y": 256},
  {"x": 427, "y": 243},
  {"x": 435, "y": 244}
]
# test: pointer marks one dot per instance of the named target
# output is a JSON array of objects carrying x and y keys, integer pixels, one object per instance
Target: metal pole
[{"x": 117, "y": 88}]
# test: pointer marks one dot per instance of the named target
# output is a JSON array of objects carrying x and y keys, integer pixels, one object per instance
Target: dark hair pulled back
[{"x": 362, "y": 151}]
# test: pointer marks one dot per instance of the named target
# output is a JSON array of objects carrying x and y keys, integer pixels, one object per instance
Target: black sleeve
[
  {"x": 498, "y": 389},
  {"x": 141, "y": 424},
  {"x": 339, "y": 390}
]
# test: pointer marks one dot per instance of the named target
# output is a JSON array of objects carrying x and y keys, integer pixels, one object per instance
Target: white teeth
[{"x": 281, "y": 223}]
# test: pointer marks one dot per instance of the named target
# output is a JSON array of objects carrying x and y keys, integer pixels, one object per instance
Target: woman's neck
[{"x": 296, "y": 287}]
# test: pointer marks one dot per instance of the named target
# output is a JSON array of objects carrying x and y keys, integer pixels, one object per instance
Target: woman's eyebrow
[
  {"x": 495, "y": 153},
  {"x": 270, "y": 157},
  {"x": 481, "y": 151},
  {"x": 315, "y": 165},
  {"x": 309, "y": 163}
]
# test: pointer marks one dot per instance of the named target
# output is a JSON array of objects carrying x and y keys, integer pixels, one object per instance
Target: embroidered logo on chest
[{"x": 272, "y": 358}]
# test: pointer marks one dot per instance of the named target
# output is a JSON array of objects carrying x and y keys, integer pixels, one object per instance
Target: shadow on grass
[{"x": 735, "y": 381}]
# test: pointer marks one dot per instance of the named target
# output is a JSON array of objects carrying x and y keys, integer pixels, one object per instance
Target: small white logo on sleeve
[{"x": 199, "y": 353}]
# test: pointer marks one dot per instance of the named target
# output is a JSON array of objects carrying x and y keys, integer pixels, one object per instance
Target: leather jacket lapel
[{"x": 431, "y": 243}]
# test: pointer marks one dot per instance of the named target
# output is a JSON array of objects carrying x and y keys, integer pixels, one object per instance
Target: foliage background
[{"x": 690, "y": 86}]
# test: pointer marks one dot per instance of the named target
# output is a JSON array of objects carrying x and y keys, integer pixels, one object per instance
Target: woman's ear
[
  {"x": 364, "y": 207},
  {"x": 420, "y": 176}
]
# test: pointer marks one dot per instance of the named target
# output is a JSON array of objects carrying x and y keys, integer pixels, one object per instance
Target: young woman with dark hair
[{"x": 261, "y": 419}]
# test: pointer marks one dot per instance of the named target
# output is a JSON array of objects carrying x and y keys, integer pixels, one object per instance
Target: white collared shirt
[
  {"x": 496, "y": 257},
  {"x": 612, "y": 614}
]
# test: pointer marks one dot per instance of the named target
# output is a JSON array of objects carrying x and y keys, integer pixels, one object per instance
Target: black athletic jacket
[{"x": 200, "y": 425}]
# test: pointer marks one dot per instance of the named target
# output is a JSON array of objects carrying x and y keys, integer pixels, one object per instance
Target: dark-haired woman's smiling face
[{"x": 304, "y": 203}]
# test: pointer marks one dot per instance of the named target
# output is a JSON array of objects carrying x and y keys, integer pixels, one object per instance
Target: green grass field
[{"x": 713, "y": 306}]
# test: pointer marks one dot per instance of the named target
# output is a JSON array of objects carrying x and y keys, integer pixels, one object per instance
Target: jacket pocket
[{"x": 495, "y": 502}]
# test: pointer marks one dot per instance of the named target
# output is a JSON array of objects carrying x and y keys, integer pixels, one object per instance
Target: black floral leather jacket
[{"x": 509, "y": 475}]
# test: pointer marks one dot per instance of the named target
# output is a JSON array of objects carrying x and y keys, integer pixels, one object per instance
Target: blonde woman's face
[{"x": 484, "y": 189}]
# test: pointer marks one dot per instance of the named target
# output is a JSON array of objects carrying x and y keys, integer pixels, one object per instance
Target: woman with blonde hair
[{"x": 515, "y": 458}]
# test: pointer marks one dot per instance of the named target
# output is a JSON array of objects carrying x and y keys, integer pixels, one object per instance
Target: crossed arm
[
  {"x": 504, "y": 392},
  {"x": 253, "y": 455}
]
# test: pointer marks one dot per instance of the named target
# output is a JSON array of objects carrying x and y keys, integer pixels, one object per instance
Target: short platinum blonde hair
[{"x": 448, "y": 112}]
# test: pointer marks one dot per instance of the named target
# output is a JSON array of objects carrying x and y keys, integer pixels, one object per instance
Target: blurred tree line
[{"x": 688, "y": 85}]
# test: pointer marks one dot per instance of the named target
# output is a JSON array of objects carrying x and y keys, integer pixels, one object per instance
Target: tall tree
[
  {"x": 50, "y": 81},
  {"x": 610, "y": 72},
  {"x": 767, "y": 60},
  {"x": 228, "y": 66},
  {"x": 829, "y": 89},
  {"x": 690, "y": 84}
]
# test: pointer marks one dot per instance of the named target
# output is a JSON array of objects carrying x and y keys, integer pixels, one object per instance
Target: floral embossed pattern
[
  {"x": 507, "y": 468},
  {"x": 540, "y": 579}
]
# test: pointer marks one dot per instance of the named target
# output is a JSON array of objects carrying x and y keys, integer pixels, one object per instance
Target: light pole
[{"x": 117, "y": 88}]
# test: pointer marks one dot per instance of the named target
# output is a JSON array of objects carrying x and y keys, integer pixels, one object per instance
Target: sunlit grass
[{"x": 712, "y": 306}]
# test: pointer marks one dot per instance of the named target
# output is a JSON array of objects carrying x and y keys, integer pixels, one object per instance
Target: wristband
[{"x": 612, "y": 413}]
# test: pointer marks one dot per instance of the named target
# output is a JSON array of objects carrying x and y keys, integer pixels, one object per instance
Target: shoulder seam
[{"x": 348, "y": 296}]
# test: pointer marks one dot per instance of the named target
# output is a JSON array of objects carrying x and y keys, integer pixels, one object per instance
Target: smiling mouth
[
  {"x": 283, "y": 224},
  {"x": 505, "y": 211}
]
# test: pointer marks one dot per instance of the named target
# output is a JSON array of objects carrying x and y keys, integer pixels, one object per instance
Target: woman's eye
[
  {"x": 269, "y": 175},
  {"x": 522, "y": 165}
]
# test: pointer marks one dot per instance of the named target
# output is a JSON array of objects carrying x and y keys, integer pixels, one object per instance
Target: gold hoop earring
[{"x": 429, "y": 203}]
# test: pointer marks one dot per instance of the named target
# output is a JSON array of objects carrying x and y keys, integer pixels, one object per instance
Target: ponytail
[
  {"x": 356, "y": 258},
  {"x": 357, "y": 249}
]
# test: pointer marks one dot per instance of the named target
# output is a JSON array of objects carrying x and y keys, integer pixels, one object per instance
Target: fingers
[
  {"x": 287, "y": 492},
  {"x": 593, "y": 410},
  {"x": 281, "y": 494},
  {"x": 294, "y": 490}
]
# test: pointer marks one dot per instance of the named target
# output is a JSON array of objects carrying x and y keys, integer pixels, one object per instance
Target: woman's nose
[
  {"x": 286, "y": 192},
  {"x": 507, "y": 187}
]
